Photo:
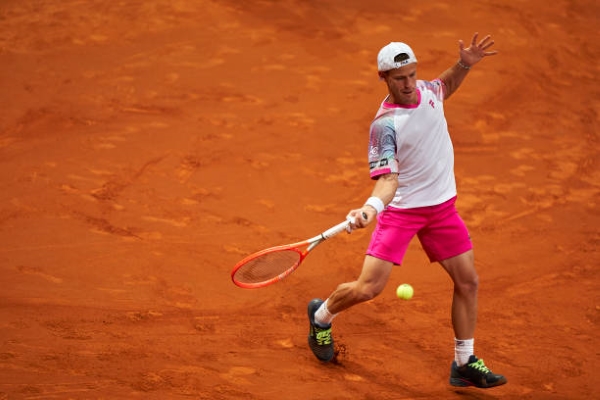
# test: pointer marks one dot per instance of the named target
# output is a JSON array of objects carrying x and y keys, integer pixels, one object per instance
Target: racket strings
[{"x": 266, "y": 266}]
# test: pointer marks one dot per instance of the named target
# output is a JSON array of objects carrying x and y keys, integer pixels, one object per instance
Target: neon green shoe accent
[
  {"x": 480, "y": 366},
  {"x": 323, "y": 336}
]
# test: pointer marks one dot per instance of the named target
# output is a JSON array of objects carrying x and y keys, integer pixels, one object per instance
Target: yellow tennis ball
[{"x": 405, "y": 291}]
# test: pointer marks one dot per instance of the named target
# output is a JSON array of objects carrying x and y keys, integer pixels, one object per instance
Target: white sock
[
  {"x": 463, "y": 349},
  {"x": 323, "y": 317}
]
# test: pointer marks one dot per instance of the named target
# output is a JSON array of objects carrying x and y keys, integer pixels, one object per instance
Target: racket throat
[{"x": 314, "y": 244}]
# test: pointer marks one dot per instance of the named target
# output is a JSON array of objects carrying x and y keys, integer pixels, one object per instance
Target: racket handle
[{"x": 335, "y": 230}]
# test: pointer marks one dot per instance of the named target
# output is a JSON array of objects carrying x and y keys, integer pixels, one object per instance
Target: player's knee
[
  {"x": 468, "y": 286},
  {"x": 368, "y": 292}
]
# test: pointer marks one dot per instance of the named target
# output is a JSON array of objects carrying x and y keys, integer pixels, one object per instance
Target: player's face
[{"x": 402, "y": 84}]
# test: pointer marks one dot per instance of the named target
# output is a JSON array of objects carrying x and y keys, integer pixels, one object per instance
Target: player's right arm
[
  {"x": 383, "y": 193},
  {"x": 383, "y": 169},
  {"x": 385, "y": 190}
]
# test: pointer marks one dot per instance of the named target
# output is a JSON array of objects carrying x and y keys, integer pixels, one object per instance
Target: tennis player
[{"x": 411, "y": 161}]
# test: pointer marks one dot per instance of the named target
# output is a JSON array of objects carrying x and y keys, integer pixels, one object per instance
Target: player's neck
[{"x": 409, "y": 101}]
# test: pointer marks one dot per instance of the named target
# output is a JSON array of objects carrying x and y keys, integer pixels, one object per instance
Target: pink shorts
[{"x": 441, "y": 231}]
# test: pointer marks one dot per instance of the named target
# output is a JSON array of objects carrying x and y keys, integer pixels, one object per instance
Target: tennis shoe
[
  {"x": 474, "y": 373},
  {"x": 319, "y": 337}
]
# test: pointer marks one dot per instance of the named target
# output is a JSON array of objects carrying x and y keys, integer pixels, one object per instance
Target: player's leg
[
  {"x": 467, "y": 369},
  {"x": 375, "y": 274},
  {"x": 372, "y": 280},
  {"x": 461, "y": 270},
  {"x": 389, "y": 241},
  {"x": 446, "y": 240}
]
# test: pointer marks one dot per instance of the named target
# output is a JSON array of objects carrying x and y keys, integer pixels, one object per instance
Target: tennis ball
[{"x": 405, "y": 291}]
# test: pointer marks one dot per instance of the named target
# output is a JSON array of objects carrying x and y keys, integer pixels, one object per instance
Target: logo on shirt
[
  {"x": 431, "y": 103},
  {"x": 378, "y": 164}
]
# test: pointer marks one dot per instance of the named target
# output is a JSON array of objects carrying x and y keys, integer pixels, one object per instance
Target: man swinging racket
[{"x": 411, "y": 161}]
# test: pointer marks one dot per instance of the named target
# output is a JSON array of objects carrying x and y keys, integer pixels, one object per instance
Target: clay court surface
[{"x": 147, "y": 146}]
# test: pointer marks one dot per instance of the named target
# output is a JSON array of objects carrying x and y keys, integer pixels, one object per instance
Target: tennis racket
[{"x": 271, "y": 265}]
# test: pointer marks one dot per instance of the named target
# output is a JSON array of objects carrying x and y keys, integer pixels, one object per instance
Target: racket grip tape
[{"x": 335, "y": 230}]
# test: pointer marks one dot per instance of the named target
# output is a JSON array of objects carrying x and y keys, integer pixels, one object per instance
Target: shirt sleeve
[
  {"x": 382, "y": 148},
  {"x": 438, "y": 87}
]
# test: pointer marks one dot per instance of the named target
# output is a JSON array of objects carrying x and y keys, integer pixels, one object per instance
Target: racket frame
[{"x": 309, "y": 245}]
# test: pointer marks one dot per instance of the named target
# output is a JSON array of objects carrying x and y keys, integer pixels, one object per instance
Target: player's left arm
[{"x": 469, "y": 56}]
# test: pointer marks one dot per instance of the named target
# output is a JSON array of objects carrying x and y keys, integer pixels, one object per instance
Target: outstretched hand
[{"x": 476, "y": 51}]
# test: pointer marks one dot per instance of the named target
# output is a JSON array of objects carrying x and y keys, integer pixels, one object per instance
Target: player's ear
[{"x": 382, "y": 74}]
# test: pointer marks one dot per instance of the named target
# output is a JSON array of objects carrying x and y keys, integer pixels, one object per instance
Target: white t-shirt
[{"x": 414, "y": 142}]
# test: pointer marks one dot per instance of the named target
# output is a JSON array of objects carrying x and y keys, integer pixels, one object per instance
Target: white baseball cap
[{"x": 395, "y": 55}]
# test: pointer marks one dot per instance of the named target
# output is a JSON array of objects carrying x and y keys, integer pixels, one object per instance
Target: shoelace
[
  {"x": 323, "y": 336},
  {"x": 480, "y": 366}
]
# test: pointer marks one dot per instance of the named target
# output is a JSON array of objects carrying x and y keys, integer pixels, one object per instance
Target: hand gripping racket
[{"x": 271, "y": 265}]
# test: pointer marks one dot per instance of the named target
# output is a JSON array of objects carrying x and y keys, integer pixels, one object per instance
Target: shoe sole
[{"x": 461, "y": 382}]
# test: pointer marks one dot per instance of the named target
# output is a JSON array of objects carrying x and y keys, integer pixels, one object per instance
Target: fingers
[
  {"x": 474, "y": 40},
  {"x": 351, "y": 225},
  {"x": 479, "y": 47},
  {"x": 485, "y": 40},
  {"x": 485, "y": 44},
  {"x": 357, "y": 219}
]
